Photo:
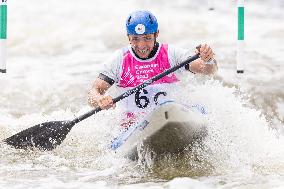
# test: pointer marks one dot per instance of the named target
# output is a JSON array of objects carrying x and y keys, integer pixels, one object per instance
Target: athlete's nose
[{"x": 141, "y": 44}]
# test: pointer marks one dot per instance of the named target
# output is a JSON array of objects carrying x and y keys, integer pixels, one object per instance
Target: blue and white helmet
[{"x": 141, "y": 22}]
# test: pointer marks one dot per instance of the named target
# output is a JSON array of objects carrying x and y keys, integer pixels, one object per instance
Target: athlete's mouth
[{"x": 143, "y": 51}]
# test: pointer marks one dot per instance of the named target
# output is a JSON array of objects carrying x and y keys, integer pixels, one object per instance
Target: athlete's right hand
[{"x": 104, "y": 102}]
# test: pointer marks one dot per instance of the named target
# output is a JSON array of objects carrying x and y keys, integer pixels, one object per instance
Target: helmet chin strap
[{"x": 156, "y": 46}]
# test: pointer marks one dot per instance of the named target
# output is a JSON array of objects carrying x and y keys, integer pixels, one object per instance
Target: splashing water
[{"x": 50, "y": 70}]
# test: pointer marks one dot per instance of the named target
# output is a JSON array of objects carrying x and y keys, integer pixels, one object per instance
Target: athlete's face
[{"x": 143, "y": 44}]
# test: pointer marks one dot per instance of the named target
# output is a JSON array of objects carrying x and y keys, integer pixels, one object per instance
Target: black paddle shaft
[
  {"x": 48, "y": 135},
  {"x": 139, "y": 87}
]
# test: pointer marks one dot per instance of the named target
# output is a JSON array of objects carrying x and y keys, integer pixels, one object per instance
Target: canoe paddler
[{"x": 142, "y": 59}]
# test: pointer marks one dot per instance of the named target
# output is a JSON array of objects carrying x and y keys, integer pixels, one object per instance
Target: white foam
[{"x": 54, "y": 51}]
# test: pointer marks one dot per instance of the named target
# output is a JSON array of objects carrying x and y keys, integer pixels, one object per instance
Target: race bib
[{"x": 147, "y": 98}]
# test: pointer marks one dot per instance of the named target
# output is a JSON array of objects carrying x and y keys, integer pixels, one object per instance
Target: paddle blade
[{"x": 45, "y": 136}]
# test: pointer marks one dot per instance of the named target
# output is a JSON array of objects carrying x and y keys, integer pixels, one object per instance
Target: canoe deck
[{"x": 169, "y": 129}]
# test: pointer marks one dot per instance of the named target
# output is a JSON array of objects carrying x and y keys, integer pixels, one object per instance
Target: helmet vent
[
  {"x": 151, "y": 19},
  {"x": 128, "y": 21}
]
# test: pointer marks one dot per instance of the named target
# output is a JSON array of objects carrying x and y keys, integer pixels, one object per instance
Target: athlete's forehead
[{"x": 142, "y": 35}]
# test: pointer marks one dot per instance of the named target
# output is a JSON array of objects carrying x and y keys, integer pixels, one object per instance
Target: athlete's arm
[{"x": 107, "y": 77}]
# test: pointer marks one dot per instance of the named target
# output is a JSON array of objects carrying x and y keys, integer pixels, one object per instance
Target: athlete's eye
[
  {"x": 147, "y": 39},
  {"x": 135, "y": 39}
]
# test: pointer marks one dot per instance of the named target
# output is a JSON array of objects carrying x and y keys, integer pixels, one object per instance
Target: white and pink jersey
[
  {"x": 135, "y": 71},
  {"x": 128, "y": 71}
]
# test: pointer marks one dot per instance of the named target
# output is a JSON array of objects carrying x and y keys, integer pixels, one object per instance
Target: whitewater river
[{"x": 55, "y": 49}]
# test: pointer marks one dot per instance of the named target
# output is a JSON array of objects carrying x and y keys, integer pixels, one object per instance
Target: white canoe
[{"x": 168, "y": 129}]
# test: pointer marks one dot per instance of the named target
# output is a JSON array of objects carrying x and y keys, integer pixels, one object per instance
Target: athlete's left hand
[{"x": 206, "y": 53}]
